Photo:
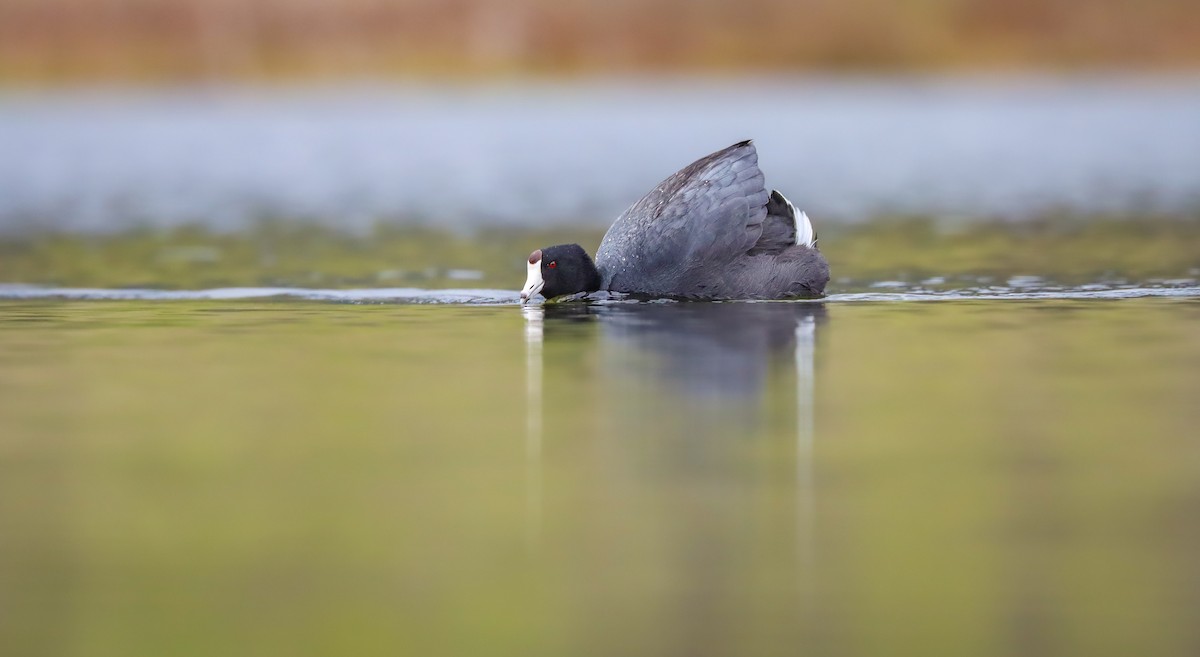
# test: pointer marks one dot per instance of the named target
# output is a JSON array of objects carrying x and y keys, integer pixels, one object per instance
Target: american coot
[{"x": 710, "y": 231}]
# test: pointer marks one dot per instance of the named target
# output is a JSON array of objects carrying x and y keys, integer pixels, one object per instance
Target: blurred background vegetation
[
  {"x": 148, "y": 40},
  {"x": 1062, "y": 249},
  {"x": 133, "y": 181}
]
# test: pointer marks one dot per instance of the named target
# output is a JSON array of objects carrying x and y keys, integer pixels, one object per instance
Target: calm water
[
  {"x": 547, "y": 154},
  {"x": 263, "y": 429},
  {"x": 1003, "y": 476}
]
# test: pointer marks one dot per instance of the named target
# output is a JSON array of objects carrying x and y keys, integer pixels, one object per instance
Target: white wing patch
[{"x": 805, "y": 233}]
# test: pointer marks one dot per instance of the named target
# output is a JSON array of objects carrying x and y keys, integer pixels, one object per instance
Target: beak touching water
[{"x": 533, "y": 281}]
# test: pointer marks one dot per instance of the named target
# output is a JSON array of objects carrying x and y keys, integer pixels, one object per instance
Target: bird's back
[{"x": 711, "y": 230}]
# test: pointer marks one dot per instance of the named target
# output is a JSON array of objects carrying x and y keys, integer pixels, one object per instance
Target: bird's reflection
[
  {"x": 701, "y": 353},
  {"x": 694, "y": 378},
  {"x": 534, "y": 334},
  {"x": 705, "y": 352},
  {"x": 685, "y": 397}
]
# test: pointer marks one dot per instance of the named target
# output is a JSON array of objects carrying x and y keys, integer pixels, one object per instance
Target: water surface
[
  {"x": 531, "y": 154},
  {"x": 265, "y": 386},
  {"x": 856, "y": 477}
]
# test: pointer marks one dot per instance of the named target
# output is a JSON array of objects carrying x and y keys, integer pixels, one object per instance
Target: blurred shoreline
[
  {"x": 162, "y": 41},
  {"x": 349, "y": 156},
  {"x": 1065, "y": 249}
]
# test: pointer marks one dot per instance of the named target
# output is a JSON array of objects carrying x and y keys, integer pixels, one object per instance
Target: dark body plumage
[{"x": 712, "y": 231}]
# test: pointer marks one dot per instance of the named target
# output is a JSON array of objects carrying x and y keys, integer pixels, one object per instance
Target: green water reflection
[
  {"x": 1064, "y": 248},
  {"x": 249, "y": 478}
]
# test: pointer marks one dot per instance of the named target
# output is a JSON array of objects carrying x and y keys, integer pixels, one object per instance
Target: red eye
[{"x": 553, "y": 264}]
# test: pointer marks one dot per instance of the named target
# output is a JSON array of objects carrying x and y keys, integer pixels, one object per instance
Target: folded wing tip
[{"x": 805, "y": 233}]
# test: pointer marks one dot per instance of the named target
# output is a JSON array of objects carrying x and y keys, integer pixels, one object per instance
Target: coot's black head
[{"x": 558, "y": 270}]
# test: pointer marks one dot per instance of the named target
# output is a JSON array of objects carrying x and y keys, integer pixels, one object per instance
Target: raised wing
[
  {"x": 704, "y": 215},
  {"x": 785, "y": 226}
]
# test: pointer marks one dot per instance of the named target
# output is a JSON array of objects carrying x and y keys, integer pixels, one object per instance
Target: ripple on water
[
  {"x": 370, "y": 295},
  {"x": 896, "y": 291}
]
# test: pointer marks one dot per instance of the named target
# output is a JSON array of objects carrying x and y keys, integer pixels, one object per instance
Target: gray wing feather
[
  {"x": 706, "y": 214},
  {"x": 779, "y": 228},
  {"x": 796, "y": 271}
]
